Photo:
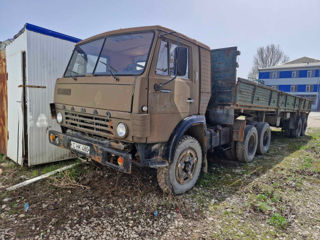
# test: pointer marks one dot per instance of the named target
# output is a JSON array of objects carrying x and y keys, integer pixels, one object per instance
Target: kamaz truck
[{"x": 156, "y": 98}]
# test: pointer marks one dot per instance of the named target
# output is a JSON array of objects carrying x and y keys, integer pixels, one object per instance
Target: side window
[
  {"x": 171, "y": 59},
  {"x": 162, "y": 64},
  {"x": 163, "y": 67},
  {"x": 171, "y": 62}
]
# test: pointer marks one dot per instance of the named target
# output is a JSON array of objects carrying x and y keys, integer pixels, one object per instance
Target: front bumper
[{"x": 99, "y": 151}]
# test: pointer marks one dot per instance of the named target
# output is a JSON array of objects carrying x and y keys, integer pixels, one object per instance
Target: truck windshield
[{"x": 124, "y": 54}]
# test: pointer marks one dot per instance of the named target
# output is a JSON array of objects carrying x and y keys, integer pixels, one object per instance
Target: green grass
[
  {"x": 276, "y": 197},
  {"x": 278, "y": 220},
  {"x": 307, "y": 162},
  {"x": 35, "y": 172},
  {"x": 261, "y": 197},
  {"x": 53, "y": 166},
  {"x": 208, "y": 180},
  {"x": 262, "y": 206},
  {"x": 2, "y": 158},
  {"x": 13, "y": 208}
]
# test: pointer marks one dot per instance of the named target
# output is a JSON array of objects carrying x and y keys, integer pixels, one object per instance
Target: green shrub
[{"x": 278, "y": 221}]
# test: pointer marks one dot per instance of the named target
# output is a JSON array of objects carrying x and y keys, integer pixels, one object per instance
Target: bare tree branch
[{"x": 268, "y": 56}]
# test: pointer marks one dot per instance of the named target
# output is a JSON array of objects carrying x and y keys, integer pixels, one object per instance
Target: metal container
[{"x": 34, "y": 60}]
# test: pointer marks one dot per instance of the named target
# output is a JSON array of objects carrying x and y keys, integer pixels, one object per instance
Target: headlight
[
  {"x": 59, "y": 117},
  {"x": 122, "y": 130}
]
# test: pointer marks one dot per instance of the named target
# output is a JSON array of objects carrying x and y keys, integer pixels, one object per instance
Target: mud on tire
[
  {"x": 296, "y": 133},
  {"x": 246, "y": 150},
  {"x": 184, "y": 170},
  {"x": 304, "y": 126},
  {"x": 264, "y": 137}
]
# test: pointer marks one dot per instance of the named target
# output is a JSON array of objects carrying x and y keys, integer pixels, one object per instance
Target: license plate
[{"x": 80, "y": 147}]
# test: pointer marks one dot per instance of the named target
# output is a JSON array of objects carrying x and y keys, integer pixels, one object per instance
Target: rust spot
[
  {"x": 3, "y": 104},
  {"x": 238, "y": 130}
]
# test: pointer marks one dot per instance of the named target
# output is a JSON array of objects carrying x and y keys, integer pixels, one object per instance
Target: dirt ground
[
  {"x": 276, "y": 196},
  {"x": 314, "y": 120}
]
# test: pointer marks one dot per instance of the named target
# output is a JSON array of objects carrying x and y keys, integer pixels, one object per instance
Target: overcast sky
[{"x": 293, "y": 24}]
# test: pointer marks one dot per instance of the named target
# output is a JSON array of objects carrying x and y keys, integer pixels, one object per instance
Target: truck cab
[{"x": 123, "y": 94}]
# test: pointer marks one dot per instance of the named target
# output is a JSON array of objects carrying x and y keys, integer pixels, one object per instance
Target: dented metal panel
[
  {"x": 15, "y": 113},
  {"x": 3, "y": 104}
]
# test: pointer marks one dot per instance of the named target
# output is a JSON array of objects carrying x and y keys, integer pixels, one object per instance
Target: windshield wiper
[{"x": 109, "y": 69}]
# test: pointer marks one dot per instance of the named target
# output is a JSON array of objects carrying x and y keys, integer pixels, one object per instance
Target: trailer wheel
[
  {"x": 264, "y": 137},
  {"x": 183, "y": 173},
  {"x": 295, "y": 133},
  {"x": 304, "y": 126},
  {"x": 246, "y": 150}
]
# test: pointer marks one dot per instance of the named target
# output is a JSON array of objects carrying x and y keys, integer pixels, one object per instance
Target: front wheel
[{"x": 183, "y": 172}]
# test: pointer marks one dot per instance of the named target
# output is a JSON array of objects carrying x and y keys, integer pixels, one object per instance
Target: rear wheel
[
  {"x": 183, "y": 173},
  {"x": 295, "y": 133},
  {"x": 246, "y": 150},
  {"x": 304, "y": 126},
  {"x": 264, "y": 137}
]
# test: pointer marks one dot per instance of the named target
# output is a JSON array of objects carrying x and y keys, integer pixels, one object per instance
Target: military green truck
[{"x": 156, "y": 98}]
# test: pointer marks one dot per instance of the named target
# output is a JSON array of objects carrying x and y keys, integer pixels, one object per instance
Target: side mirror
[{"x": 180, "y": 61}]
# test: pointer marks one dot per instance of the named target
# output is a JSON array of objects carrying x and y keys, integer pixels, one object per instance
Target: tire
[
  {"x": 264, "y": 137},
  {"x": 183, "y": 172},
  {"x": 246, "y": 150},
  {"x": 163, "y": 179},
  {"x": 304, "y": 126},
  {"x": 231, "y": 153},
  {"x": 296, "y": 133}
]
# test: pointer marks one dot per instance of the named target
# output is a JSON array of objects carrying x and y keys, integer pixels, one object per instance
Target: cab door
[{"x": 175, "y": 100}]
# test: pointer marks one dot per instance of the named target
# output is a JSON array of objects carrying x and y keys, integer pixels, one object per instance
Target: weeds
[
  {"x": 307, "y": 163},
  {"x": 278, "y": 220},
  {"x": 208, "y": 180}
]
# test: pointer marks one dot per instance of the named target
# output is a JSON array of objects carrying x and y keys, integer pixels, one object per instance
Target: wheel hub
[{"x": 186, "y": 166}]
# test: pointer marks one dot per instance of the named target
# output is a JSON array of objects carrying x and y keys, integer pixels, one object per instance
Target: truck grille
[{"x": 95, "y": 125}]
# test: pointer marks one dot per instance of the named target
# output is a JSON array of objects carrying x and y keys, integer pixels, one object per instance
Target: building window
[
  {"x": 274, "y": 75},
  {"x": 309, "y": 88},
  {"x": 293, "y": 88},
  {"x": 309, "y": 74},
  {"x": 294, "y": 74}
]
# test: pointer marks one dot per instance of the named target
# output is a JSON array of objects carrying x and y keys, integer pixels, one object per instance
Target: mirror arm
[{"x": 158, "y": 87}]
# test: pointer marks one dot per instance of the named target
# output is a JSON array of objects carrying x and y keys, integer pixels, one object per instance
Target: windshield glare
[{"x": 124, "y": 54}]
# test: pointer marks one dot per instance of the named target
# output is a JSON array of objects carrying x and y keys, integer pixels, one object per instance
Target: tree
[{"x": 268, "y": 56}]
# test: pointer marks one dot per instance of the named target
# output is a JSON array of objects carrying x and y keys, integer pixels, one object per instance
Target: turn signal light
[
  {"x": 120, "y": 161},
  {"x": 52, "y": 137}
]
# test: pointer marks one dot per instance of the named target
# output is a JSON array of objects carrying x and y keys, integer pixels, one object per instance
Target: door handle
[
  {"x": 190, "y": 100},
  {"x": 165, "y": 90}
]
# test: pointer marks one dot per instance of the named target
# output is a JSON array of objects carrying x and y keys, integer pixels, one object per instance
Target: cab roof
[{"x": 141, "y": 29}]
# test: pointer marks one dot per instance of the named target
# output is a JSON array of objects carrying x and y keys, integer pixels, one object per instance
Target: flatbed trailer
[
  {"x": 258, "y": 97},
  {"x": 232, "y": 98},
  {"x": 156, "y": 98}
]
